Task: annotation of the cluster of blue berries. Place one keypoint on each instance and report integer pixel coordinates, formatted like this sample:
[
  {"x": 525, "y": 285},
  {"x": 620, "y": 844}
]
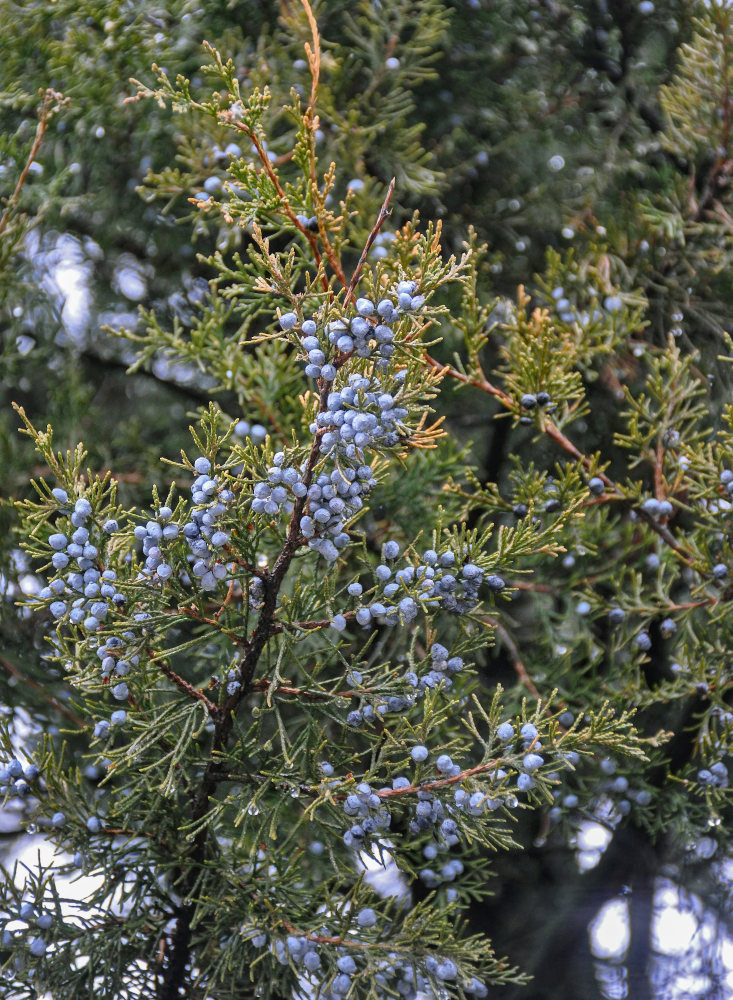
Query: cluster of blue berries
[
  {"x": 398, "y": 976},
  {"x": 532, "y": 400},
  {"x": 613, "y": 795},
  {"x": 333, "y": 499},
  {"x": 379, "y": 707},
  {"x": 364, "y": 414},
  {"x": 617, "y": 790},
  {"x": 284, "y": 483},
  {"x": 118, "y": 654},
  {"x": 16, "y": 779},
  {"x": 371, "y": 815},
  {"x": 155, "y": 535},
  {"x": 103, "y": 727},
  {"x": 568, "y": 313},
  {"x": 716, "y": 776},
  {"x": 368, "y": 330},
  {"x": 298, "y": 949},
  {"x": 428, "y": 812},
  {"x": 30, "y": 915},
  {"x": 657, "y": 508},
  {"x": 86, "y": 594},
  {"x": 431, "y": 583},
  {"x": 202, "y": 532},
  {"x": 442, "y": 667}
]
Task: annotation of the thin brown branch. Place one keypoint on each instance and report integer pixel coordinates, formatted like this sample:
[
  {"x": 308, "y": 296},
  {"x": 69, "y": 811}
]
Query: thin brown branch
[
  {"x": 312, "y": 625},
  {"x": 428, "y": 786},
  {"x": 50, "y": 98},
  {"x": 325, "y": 939},
  {"x": 191, "y": 612},
  {"x": 535, "y": 588},
  {"x": 226, "y": 602},
  {"x": 263, "y": 684},
  {"x": 314, "y": 55},
  {"x": 271, "y": 173},
  {"x": 189, "y": 689},
  {"x": 383, "y": 214},
  {"x": 330, "y": 254}
]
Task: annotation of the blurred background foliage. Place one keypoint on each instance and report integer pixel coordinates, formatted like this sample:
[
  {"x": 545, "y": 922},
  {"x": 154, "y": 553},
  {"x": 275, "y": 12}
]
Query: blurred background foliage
[{"x": 586, "y": 143}]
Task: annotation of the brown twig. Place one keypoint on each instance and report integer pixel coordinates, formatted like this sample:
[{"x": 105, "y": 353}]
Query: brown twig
[
  {"x": 226, "y": 602},
  {"x": 312, "y": 625},
  {"x": 314, "y": 55},
  {"x": 535, "y": 588},
  {"x": 383, "y": 213},
  {"x": 428, "y": 786},
  {"x": 328, "y": 249},
  {"x": 190, "y": 612},
  {"x": 189, "y": 689},
  {"x": 263, "y": 684},
  {"x": 50, "y": 97}
]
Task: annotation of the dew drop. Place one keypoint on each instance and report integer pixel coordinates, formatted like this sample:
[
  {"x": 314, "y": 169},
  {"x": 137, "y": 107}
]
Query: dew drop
[{"x": 24, "y": 344}]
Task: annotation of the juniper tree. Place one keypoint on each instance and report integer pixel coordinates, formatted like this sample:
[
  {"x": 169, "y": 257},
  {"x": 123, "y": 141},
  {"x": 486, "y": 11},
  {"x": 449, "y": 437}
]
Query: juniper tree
[{"x": 288, "y": 655}]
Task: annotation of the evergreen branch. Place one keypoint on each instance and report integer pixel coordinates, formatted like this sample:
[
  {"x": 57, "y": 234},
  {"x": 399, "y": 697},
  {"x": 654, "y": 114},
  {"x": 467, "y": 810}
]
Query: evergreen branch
[
  {"x": 283, "y": 198},
  {"x": 554, "y": 432},
  {"x": 288, "y": 210},
  {"x": 723, "y": 165}
]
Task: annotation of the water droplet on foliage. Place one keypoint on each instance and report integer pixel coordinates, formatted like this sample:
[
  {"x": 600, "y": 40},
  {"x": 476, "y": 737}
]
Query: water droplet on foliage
[{"x": 24, "y": 344}]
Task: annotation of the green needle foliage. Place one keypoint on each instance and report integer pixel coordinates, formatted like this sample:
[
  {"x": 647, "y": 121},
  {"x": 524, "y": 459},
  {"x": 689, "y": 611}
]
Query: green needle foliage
[{"x": 330, "y": 635}]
